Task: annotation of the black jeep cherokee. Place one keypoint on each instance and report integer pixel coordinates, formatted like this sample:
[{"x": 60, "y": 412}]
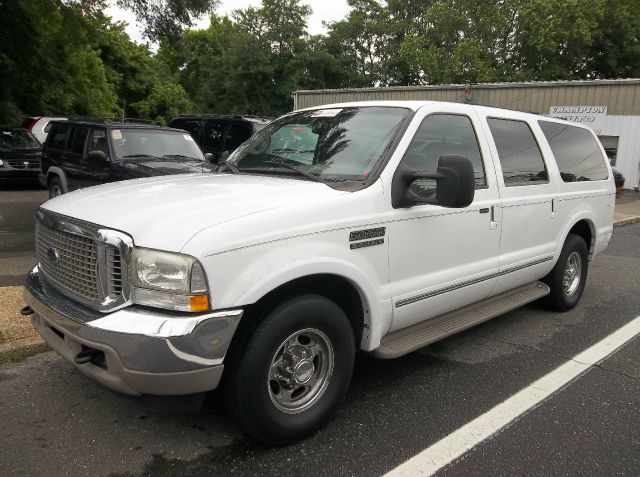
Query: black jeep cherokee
[{"x": 84, "y": 152}]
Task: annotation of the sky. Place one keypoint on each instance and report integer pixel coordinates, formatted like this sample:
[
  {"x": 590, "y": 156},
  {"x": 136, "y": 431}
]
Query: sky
[{"x": 323, "y": 11}]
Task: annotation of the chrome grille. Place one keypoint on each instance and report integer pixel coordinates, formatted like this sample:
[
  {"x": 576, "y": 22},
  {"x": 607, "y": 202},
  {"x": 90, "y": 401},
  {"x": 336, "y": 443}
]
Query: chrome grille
[
  {"x": 24, "y": 163},
  {"x": 114, "y": 268},
  {"x": 70, "y": 261},
  {"x": 84, "y": 261}
]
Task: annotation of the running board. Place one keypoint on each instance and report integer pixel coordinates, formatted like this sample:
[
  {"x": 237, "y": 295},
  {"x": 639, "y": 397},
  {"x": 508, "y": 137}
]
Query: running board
[{"x": 406, "y": 340}]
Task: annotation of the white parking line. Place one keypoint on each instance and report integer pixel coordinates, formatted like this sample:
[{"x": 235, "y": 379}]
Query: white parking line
[{"x": 471, "y": 434}]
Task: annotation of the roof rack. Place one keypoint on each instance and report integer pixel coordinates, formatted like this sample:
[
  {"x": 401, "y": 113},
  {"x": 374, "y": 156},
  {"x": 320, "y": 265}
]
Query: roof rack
[
  {"x": 226, "y": 116},
  {"x": 99, "y": 120}
]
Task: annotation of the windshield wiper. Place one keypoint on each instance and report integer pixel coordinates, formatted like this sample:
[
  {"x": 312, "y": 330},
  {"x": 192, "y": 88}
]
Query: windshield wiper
[
  {"x": 306, "y": 174},
  {"x": 181, "y": 156},
  {"x": 228, "y": 165},
  {"x": 138, "y": 155}
]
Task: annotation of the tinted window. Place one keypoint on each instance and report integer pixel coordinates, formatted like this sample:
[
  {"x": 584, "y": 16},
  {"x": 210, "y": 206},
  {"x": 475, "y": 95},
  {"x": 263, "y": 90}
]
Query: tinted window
[
  {"x": 237, "y": 134},
  {"x": 576, "y": 151},
  {"x": 58, "y": 136},
  {"x": 192, "y": 126},
  {"x": 78, "y": 140},
  {"x": 98, "y": 141},
  {"x": 214, "y": 135},
  {"x": 519, "y": 154},
  {"x": 439, "y": 135}
]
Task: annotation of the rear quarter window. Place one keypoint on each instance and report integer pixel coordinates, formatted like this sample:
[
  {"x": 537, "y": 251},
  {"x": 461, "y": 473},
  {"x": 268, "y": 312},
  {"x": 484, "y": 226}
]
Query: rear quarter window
[
  {"x": 577, "y": 153},
  {"x": 57, "y": 137}
]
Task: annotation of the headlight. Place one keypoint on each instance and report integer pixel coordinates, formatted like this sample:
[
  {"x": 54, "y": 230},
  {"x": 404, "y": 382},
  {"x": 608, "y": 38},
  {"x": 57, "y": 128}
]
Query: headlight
[{"x": 168, "y": 280}]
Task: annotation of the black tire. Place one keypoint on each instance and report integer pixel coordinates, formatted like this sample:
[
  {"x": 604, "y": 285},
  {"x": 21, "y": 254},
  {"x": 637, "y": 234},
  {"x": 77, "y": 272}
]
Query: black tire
[
  {"x": 253, "y": 392},
  {"x": 55, "y": 187},
  {"x": 562, "y": 296}
]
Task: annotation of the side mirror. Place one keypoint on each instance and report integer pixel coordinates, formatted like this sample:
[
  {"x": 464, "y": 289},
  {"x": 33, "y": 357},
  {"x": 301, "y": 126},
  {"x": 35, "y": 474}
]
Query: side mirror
[
  {"x": 98, "y": 156},
  {"x": 455, "y": 181},
  {"x": 211, "y": 158}
]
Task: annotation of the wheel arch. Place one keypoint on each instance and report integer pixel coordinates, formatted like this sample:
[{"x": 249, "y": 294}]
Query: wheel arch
[{"x": 54, "y": 171}]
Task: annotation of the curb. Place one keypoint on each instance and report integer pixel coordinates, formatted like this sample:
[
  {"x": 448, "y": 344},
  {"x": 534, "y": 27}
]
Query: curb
[
  {"x": 19, "y": 353},
  {"x": 632, "y": 219}
]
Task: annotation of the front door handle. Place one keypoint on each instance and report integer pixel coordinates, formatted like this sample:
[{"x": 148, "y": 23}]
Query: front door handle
[{"x": 493, "y": 225}]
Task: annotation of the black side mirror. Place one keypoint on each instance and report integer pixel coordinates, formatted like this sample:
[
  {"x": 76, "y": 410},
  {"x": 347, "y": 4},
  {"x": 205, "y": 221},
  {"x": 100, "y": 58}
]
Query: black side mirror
[
  {"x": 98, "y": 156},
  {"x": 210, "y": 158},
  {"x": 455, "y": 181}
]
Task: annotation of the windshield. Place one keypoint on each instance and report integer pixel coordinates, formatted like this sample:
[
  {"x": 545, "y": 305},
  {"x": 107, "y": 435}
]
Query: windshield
[
  {"x": 338, "y": 144},
  {"x": 139, "y": 143},
  {"x": 17, "y": 138}
]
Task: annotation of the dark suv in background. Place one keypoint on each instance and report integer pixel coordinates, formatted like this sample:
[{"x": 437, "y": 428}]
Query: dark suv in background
[
  {"x": 85, "y": 152},
  {"x": 19, "y": 154},
  {"x": 217, "y": 134}
]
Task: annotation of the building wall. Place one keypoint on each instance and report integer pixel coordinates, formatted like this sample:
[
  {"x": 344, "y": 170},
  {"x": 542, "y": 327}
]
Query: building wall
[
  {"x": 622, "y": 97},
  {"x": 628, "y": 159}
]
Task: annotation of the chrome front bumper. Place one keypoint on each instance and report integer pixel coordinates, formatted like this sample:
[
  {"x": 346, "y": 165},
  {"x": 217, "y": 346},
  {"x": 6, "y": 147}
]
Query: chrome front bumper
[{"x": 145, "y": 351}]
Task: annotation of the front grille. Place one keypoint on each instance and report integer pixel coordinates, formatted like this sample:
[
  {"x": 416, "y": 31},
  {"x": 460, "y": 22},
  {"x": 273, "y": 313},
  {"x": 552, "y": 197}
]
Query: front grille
[
  {"x": 114, "y": 266},
  {"x": 84, "y": 261},
  {"x": 70, "y": 261},
  {"x": 24, "y": 164}
]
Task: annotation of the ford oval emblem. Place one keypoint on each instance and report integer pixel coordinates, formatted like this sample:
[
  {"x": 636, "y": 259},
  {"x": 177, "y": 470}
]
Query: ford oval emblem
[{"x": 52, "y": 253}]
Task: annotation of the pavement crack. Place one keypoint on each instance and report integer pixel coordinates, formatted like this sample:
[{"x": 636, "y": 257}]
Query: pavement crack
[
  {"x": 613, "y": 371},
  {"x": 523, "y": 346}
]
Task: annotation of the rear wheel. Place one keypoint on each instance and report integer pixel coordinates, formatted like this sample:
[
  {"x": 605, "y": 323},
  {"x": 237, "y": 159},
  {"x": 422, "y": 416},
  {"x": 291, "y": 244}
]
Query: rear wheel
[
  {"x": 294, "y": 370},
  {"x": 55, "y": 187},
  {"x": 568, "y": 277}
]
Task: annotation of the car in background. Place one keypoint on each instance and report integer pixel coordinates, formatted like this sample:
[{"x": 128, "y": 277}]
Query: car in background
[
  {"x": 219, "y": 135},
  {"x": 39, "y": 125},
  {"x": 20, "y": 154},
  {"x": 84, "y": 152},
  {"x": 619, "y": 179}
]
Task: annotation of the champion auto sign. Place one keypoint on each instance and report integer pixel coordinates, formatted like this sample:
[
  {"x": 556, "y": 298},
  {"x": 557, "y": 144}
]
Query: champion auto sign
[{"x": 592, "y": 116}]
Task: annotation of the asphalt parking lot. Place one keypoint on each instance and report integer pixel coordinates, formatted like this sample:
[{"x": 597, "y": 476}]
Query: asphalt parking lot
[{"x": 57, "y": 422}]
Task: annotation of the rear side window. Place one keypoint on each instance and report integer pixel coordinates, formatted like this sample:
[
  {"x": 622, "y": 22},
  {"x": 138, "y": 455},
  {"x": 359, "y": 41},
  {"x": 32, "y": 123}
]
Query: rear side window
[
  {"x": 192, "y": 126},
  {"x": 58, "y": 136},
  {"x": 213, "y": 141},
  {"x": 237, "y": 134},
  {"x": 576, "y": 151},
  {"x": 518, "y": 151},
  {"x": 79, "y": 138}
]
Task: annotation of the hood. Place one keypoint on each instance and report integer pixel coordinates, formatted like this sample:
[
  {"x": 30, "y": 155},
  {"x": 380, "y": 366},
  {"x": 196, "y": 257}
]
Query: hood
[
  {"x": 165, "y": 212},
  {"x": 156, "y": 166}
]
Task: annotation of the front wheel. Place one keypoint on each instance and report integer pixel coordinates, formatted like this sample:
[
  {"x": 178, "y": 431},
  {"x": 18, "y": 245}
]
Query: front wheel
[
  {"x": 294, "y": 370},
  {"x": 55, "y": 187},
  {"x": 569, "y": 276}
]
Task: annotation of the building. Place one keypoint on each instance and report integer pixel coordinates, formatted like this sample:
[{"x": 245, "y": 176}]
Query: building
[{"x": 610, "y": 107}]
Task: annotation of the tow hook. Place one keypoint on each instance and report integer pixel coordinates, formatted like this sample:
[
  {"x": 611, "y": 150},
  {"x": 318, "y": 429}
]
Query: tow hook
[
  {"x": 87, "y": 356},
  {"x": 26, "y": 311}
]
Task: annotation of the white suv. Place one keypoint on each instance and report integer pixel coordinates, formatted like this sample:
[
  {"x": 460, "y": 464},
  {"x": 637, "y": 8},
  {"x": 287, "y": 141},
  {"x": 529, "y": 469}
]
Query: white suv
[{"x": 379, "y": 226}]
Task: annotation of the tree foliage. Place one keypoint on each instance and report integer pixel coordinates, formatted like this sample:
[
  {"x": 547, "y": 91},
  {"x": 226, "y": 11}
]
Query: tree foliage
[{"x": 67, "y": 57}]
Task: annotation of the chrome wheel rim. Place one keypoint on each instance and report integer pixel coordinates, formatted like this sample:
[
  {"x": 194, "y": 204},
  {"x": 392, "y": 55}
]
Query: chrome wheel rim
[
  {"x": 572, "y": 274},
  {"x": 300, "y": 371}
]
